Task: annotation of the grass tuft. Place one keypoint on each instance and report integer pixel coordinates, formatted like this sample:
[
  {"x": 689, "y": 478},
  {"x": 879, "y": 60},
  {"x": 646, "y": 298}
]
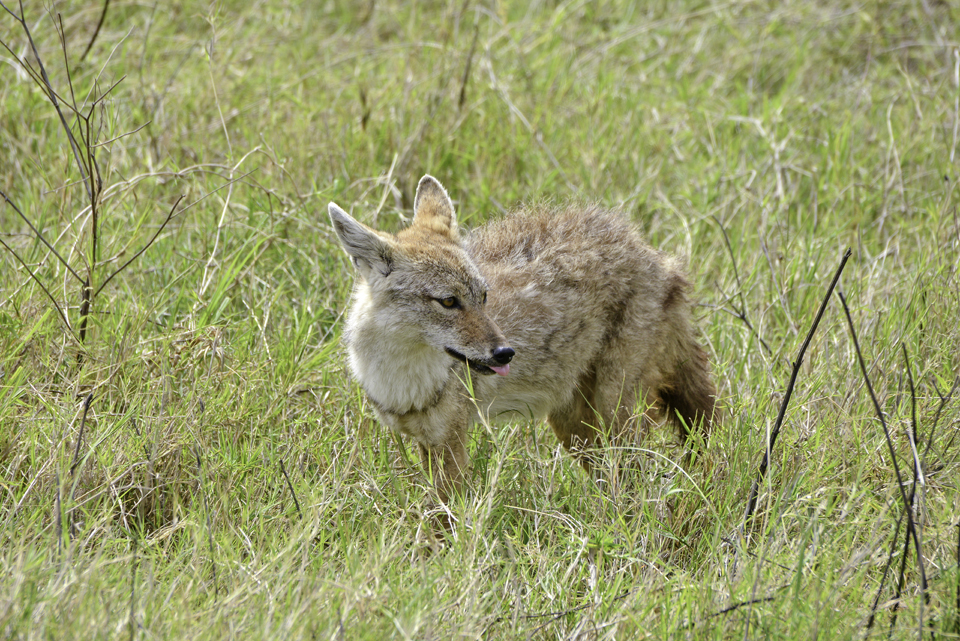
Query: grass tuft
[{"x": 182, "y": 454}]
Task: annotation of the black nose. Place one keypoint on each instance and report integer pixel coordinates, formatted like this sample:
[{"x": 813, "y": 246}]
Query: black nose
[{"x": 502, "y": 355}]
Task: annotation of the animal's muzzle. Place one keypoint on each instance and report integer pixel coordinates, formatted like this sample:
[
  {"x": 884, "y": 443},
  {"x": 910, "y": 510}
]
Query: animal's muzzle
[{"x": 503, "y": 355}]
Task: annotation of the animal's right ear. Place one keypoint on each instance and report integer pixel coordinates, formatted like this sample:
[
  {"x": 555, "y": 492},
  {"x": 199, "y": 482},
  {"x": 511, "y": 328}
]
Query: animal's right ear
[{"x": 372, "y": 254}]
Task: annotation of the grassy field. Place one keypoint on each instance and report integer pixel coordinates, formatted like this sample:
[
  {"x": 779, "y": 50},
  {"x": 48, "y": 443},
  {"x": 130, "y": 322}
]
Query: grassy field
[{"x": 183, "y": 455}]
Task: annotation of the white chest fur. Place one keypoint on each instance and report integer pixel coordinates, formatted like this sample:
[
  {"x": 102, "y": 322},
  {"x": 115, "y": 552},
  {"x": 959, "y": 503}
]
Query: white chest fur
[{"x": 391, "y": 361}]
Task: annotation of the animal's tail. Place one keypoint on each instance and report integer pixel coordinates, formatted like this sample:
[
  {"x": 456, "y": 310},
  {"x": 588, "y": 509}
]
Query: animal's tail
[
  {"x": 690, "y": 397},
  {"x": 687, "y": 393}
]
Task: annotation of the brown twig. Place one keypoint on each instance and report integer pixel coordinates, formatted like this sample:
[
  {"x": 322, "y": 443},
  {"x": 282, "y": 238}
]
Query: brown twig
[
  {"x": 40, "y": 236},
  {"x": 911, "y": 525},
  {"x": 290, "y": 486},
  {"x": 742, "y": 312},
  {"x": 737, "y": 606},
  {"x": 755, "y": 489},
  {"x": 883, "y": 578},
  {"x": 466, "y": 70},
  {"x": 96, "y": 32},
  {"x": 944, "y": 399},
  {"x": 84, "y": 315},
  {"x": 206, "y": 508},
  {"x": 936, "y": 419},
  {"x": 56, "y": 306},
  {"x": 83, "y": 422},
  {"x": 133, "y": 591},
  {"x": 902, "y": 575},
  {"x": 51, "y": 94},
  {"x": 142, "y": 249}
]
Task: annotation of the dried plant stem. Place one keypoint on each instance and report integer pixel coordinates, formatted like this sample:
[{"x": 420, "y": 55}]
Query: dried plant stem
[
  {"x": 290, "y": 486},
  {"x": 96, "y": 32},
  {"x": 761, "y": 473},
  {"x": 911, "y": 525}
]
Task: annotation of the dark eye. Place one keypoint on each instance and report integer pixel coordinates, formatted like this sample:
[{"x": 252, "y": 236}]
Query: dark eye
[
  {"x": 484, "y": 301},
  {"x": 450, "y": 302}
]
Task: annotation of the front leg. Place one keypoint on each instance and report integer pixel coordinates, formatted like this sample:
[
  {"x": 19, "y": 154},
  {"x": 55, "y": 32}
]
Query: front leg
[
  {"x": 441, "y": 431},
  {"x": 446, "y": 465}
]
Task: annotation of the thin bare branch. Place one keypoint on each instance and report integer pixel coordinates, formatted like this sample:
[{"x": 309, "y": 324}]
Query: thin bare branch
[
  {"x": 944, "y": 399},
  {"x": 755, "y": 490},
  {"x": 123, "y": 135},
  {"x": 106, "y": 93},
  {"x": 210, "y": 193},
  {"x": 96, "y": 32},
  {"x": 901, "y": 581},
  {"x": 917, "y": 466},
  {"x": 883, "y": 578},
  {"x": 96, "y": 81},
  {"x": 52, "y": 96},
  {"x": 911, "y": 525},
  {"x": 56, "y": 306},
  {"x": 83, "y": 422},
  {"x": 737, "y": 606},
  {"x": 290, "y": 486},
  {"x": 66, "y": 63},
  {"x": 742, "y": 312},
  {"x": 40, "y": 236},
  {"x": 466, "y": 70},
  {"x": 142, "y": 249}
]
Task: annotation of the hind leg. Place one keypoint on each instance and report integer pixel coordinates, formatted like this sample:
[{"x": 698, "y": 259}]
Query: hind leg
[
  {"x": 601, "y": 408},
  {"x": 625, "y": 375},
  {"x": 575, "y": 423}
]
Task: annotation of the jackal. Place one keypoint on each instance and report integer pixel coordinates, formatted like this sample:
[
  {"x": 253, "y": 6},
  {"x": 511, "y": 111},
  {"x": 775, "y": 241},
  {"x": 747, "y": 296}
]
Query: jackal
[{"x": 559, "y": 312}]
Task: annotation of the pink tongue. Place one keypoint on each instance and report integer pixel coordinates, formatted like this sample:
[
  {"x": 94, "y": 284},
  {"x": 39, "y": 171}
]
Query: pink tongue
[{"x": 502, "y": 370}]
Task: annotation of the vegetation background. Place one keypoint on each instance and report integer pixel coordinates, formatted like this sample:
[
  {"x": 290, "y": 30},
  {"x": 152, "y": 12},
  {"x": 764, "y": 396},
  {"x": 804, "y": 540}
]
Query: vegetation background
[{"x": 200, "y": 465}]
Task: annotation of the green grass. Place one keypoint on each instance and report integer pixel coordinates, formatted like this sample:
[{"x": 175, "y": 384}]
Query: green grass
[{"x": 215, "y": 356}]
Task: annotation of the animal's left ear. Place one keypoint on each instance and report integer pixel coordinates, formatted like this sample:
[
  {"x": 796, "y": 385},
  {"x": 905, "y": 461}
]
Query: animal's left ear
[{"x": 433, "y": 209}]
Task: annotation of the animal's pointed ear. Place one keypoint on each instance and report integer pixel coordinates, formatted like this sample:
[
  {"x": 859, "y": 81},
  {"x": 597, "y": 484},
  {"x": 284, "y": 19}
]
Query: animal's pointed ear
[
  {"x": 372, "y": 253},
  {"x": 433, "y": 209}
]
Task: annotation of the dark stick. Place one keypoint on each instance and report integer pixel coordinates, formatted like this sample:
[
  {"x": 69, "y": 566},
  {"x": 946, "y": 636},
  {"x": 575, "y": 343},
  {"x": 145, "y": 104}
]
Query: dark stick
[
  {"x": 290, "y": 485},
  {"x": 66, "y": 65},
  {"x": 83, "y": 421},
  {"x": 206, "y": 507},
  {"x": 142, "y": 249},
  {"x": 40, "y": 236},
  {"x": 883, "y": 579},
  {"x": 737, "y": 606},
  {"x": 913, "y": 421},
  {"x": 133, "y": 592},
  {"x": 742, "y": 312},
  {"x": 52, "y": 95},
  {"x": 956, "y": 619},
  {"x": 911, "y": 526},
  {"x": 755, "y": 489},
  {"x": 84, "y": 314},
  {"x": 559, "y": 615},
  {"x": 76, "y": 455},
  {"x": 902, "y": 576},
  {"x": 56, "y": 306},
  {"x": 901, "y": 581},
  {"x": 936, "y": 419},
  {"x": 466, "y": 70},
  {"x": 103, "y": 14}
]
